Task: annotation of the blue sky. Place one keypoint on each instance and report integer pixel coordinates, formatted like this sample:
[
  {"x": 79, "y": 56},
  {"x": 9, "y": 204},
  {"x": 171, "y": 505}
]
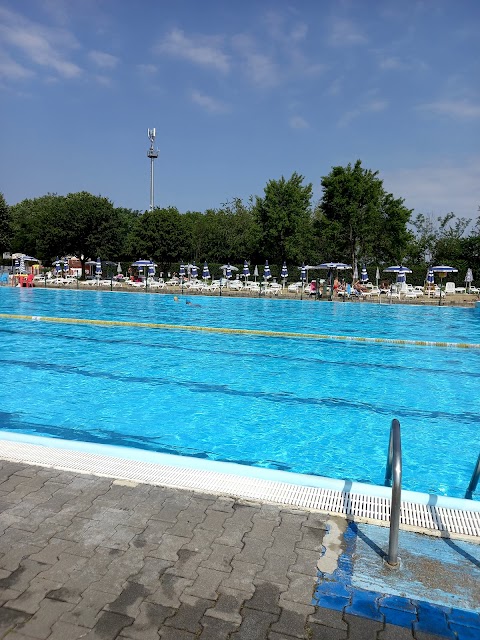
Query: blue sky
[{"x": 239, "y": 93}]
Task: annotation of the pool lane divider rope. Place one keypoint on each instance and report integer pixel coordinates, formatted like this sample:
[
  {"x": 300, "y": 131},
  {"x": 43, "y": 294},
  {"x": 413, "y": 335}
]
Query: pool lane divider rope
[{"x": 249, "y": 332}]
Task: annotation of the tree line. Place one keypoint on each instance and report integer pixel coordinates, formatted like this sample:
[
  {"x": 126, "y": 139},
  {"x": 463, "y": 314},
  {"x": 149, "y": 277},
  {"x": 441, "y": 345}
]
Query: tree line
[{"x": 355, "y": 221}]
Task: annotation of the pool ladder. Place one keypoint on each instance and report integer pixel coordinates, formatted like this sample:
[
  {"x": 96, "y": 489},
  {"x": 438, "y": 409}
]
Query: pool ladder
[
  {"x": 474, "y": 481},
  {"x": 394, "y": 472}
]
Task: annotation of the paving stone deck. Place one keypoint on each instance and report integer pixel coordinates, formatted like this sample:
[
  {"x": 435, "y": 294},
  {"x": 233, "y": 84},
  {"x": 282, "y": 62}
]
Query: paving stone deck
[{"x": 96, "y": 558}]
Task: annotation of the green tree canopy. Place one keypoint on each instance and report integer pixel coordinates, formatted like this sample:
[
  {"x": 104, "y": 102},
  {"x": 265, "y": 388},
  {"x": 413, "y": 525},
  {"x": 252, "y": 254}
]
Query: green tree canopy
[
  {"x": 284, "y": 217},
  {"x": 5, "y": 227},
  {"x": 359, "y": 220}
]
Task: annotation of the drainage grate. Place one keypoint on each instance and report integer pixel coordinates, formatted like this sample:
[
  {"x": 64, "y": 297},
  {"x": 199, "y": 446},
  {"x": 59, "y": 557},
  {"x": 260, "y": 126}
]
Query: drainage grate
[{"x": 430, "y": 519}]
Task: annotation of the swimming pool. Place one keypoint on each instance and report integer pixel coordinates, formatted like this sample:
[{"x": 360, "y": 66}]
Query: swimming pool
[{"x": 316, "y": 407}]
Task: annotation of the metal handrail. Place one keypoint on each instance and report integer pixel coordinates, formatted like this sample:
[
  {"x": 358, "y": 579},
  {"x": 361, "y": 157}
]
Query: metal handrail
[
  {"x": 474, "y": 480},
  {"x": 394, "y": 470}
]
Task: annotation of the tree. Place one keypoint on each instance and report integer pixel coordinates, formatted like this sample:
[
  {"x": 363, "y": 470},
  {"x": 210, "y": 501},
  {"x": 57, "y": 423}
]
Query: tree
[
  {"x": 359, "y": 219},
  {"x": 160, "y": 235},
  {"x": 283, "y": 216},
  {"x": 5, "y": 227}
]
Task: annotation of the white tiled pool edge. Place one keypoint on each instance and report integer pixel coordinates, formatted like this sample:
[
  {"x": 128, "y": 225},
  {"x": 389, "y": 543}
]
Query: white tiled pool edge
[{"x": 437, "y": 516}]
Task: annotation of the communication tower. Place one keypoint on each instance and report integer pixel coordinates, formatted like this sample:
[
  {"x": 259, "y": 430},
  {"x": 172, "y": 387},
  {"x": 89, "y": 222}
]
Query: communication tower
[{"x": 152, "y": 154}]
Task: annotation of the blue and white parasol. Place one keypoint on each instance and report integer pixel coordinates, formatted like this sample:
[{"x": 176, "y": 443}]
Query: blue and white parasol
[
  {"x": 303, "y": 272},
  {"x": 205, "y": 272},
  {"x": 181, "y": 271},
  {"x": 228, "y": 271},
  {"x": 66, "y": 266},
  {"x": 430, "y": 276},
  {"x": 194, "y": 271},
  {"x": 364, "y": 274},
  {"x": 98, "y": 267},
  {"x": 284, "y": 272},
  {"x": 22, "y": 265},
  {"x": 151, "y": 269},
  {"x": 442, "y": 270},
  {"x": 469, "y": 278},
  {"x": 246, "y": 270},
  {"x": 266, "y": 271}
]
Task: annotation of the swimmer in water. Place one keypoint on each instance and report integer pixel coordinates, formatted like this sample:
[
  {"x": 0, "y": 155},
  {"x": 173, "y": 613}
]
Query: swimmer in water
[
  {"x": 175, "y": 298},
  {"x": 190, "y": 304}
]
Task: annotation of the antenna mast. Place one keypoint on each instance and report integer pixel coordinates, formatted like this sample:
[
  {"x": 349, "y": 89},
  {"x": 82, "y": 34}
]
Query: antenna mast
[{"x": 152, "y": 154}]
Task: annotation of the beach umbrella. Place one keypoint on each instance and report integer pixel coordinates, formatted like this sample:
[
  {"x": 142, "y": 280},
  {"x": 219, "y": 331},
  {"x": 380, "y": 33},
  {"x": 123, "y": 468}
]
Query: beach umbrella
[
  {"x": 66, "y": 266},
  {"x": 430, "y": 276},
  {"x": 21, "y": 266},
  {"x": 17, "y": 264},
  {"x": 442, "y": 271},
  {"x": 228, "y": 271},
  {"x": 30, "y": 259},
  {"x": 401, "y": 277},
  {"x": 205, "y": 272},
  {"x": 246, "y": 270},
  {"x": 469, "y": 278},
  {"x": 98, "y": 267},
  {"x": 194, "y": 270},
  {"x": 303, "y": 272},
  {"x": 58, "y": 266},
  {"x": 255, "y": 273},
  {"x": 266, "y": 271},
  {"x": 398, "y": 268},
  {"x": 151, "y": 269},
  {"x": 284, "y": 272},
  {"x": 377, "y": 275},
  {"x": 181, "y": 271},
  {"x": 119, "y": 268},
  {"x": 364, "y": 274}
]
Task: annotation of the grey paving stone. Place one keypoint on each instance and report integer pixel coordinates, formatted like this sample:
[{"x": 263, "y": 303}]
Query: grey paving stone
[
  {"x": 129, "y": 601},
  {"x": 255, "y": 625},
  {"x": 228, "y": 605},
  {"x": 189, "y": 614},
  {"x": 19, "y": 579},
  {"x": 151, "y": 536},
  {"x": 170, "y": 633},
  {"x": 262, "y": 528},
  {"x": 392, "y": 632},
  {"x": 293, "y": 620},
  {"x": 223, "y": 504},
  {"x": 148, "y": 622},
  {"x": 151, "y": 572},
  {"x": 206, "y": 584},
  {"x": 188, "y": 563},
  {"x": 121, "y": 537},
  {"x": 306, "y": 562},
  {"x": 328, "y": 618},
  {"x": 108, "y": 626},
  {"x": 312, "y": 538},
  {"x": 119, "y": 571},
  {"x": 293, "y": 519},
  {"x": 51, "y": 552},
  {"x": 242, "y": 576},
  {"x": 216, "y": 629},
  {"x": 85, "y": 613},
  {"x": 284, "y": 543},
  {"x": 64, "y": 631},
  {"x": 360, "y": 628},
  {"x": 232, "y": 535},
  {"x": 300, "y": 588},
  {"x": 168, "y": 547},
  {"x": 10, "y": 619},
  {"x": 202, "y": 539},
  {"x": 220, "y": 557},
  {"x": 215, "y": 520},
  {"x": 254, "y": 550},
  {"x": 277, "y": 566},
  {"x": 18, "y": 553},
  {"x": 265, "y": 597},
  {"x": 171, "y": 508},
  {"x": 319, "y": 632},
  {"x": 40, "y": 624},
  {"x": 169, "y": 591},
  {"x": 61, "y": 570},
  {"x": 29, "y": 601}
]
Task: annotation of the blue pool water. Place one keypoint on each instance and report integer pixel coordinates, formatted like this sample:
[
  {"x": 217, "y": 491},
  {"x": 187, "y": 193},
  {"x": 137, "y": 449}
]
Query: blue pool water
[{"x": 315, "y": 407}]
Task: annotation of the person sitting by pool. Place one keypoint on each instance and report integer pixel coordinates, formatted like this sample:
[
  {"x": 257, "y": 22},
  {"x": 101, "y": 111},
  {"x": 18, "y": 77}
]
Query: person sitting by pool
[
  {"x": 336, "y": 286},
  {"x": 358, "y": 290}
]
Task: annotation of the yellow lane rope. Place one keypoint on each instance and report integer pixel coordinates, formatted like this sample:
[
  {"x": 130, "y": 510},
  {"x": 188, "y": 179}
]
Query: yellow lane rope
[{"x": 250, "y": 332}]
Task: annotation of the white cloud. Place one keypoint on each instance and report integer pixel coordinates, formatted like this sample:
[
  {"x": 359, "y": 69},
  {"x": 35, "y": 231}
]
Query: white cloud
[
  {"x": 458, "y": 109},
  {"x": 13, "y": 70},
  {"x": 373, "y": 105},
  {"x": 42, "y": 46},
  {"x": 259, "y": 68},
  {"x": 345, "y": 33},
  {"x": 103, "y": 60},
  {"x": 208, "y": 103},
  {"x": 147, "y": 69},
  {"x": 438, "y": 188},
  {"x": 202, "y": 50},
  {"x": 297, "y": 122}
]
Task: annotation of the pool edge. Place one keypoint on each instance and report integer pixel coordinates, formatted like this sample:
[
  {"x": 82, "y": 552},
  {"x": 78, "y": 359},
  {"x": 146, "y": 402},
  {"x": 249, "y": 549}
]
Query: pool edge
[{"x": 435, "y": 515}]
